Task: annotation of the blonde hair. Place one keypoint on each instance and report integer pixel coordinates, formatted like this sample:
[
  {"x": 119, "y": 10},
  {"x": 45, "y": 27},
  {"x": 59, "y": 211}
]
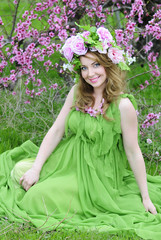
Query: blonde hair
[{"x": 114, "y": 87}]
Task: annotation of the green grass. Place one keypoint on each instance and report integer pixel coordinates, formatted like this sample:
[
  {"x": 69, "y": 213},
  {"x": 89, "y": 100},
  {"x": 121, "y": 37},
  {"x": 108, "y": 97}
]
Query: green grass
[
  {"x": 16, "y": 231},
  {"x": 9, "y": 139}
]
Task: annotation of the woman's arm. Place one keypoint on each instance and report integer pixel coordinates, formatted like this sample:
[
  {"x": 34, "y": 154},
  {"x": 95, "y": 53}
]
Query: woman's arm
[
  {"x": 49, "y": 143},
  {"x": 129, "y": 128}
]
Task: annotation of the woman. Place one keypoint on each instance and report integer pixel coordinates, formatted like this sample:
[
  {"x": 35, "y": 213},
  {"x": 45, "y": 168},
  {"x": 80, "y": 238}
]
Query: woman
[{"x": 85, "y": 180}]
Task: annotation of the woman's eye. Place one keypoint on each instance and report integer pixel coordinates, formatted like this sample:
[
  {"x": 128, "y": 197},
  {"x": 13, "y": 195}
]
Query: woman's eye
[
  {"x": 83, "y": 68},
  {"x": 96, "y": 65}
]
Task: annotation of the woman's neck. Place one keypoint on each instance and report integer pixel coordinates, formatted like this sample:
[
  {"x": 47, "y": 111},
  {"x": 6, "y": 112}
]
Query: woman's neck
[{"x": 98, "y": 93}]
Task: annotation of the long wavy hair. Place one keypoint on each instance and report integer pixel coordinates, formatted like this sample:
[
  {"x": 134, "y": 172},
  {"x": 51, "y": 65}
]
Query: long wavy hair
[{"x": 114, "y": 87}]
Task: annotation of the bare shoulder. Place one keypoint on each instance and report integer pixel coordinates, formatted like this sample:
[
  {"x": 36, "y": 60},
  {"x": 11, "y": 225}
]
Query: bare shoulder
[
  {"x": 127, "y": 110},
  {"x": 71, "y": 92},
  {"x": 72, "y": 89},
  {"x": 126, "y": 105}
]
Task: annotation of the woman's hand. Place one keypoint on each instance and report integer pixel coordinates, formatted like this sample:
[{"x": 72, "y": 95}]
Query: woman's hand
[
  {"x": 149, "y": 206},
  {"x": 30, "y": 178}
]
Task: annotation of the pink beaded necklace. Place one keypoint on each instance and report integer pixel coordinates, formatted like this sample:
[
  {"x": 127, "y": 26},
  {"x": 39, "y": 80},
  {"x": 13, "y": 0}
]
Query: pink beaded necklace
[{"x": 94, "y": 112}]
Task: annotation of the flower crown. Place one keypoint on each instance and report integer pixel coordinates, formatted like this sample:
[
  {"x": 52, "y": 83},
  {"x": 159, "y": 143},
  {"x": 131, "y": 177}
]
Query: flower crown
[{"x": 93, "y": 39}]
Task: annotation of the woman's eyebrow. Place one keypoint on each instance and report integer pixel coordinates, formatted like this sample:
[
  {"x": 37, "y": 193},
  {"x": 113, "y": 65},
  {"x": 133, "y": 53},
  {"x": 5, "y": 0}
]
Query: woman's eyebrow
[
  {"x": 94, "y": 62},
  {"x": 91, "y": 64}
]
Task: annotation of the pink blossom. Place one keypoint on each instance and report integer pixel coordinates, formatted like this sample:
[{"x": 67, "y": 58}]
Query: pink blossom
[
  {"x": 148, "y": 46},
  {"x": 151, "y": 119},
  {"x": 142, "y": 86},
  {"x": 149, "y": 141},
  {"x": 119, "y": 35},
  {"x": 47, "y": 63},
  {"x": 58, "y": 46},
  {"x": 115, "y": 55},
  {"x": 27, "y": 102},
  {"x": 26, "y": 82},
  {"x": 54, "y": 86},
  {"x": 62, "y": 34},
  {"x": 38, "y": 82},
  {"x": 137, "y": 112},
  {"x": 157, "y": 153},
  {"x": 91, "y": 112},
  {"x": 1, "y": 23},
  {"x": 150, "y": 115},
  {"x": 146, "y": 82},
  {"x": 51, "y": 34}
]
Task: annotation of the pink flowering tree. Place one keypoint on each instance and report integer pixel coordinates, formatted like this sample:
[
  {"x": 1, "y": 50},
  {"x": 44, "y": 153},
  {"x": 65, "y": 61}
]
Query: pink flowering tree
[{"x": 30, "y": 64}]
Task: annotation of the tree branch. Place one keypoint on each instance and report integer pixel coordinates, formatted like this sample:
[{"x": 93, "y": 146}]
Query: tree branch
[
  {"x": 140, "y": 74},
  {"x": 14, "y": 19}
]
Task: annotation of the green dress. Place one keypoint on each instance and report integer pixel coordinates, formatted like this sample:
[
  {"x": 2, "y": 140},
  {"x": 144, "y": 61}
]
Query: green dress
[{"x": 85, "y": 184}]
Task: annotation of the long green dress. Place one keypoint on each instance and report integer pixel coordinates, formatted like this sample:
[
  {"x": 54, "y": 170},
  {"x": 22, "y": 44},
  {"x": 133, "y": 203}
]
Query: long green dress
[{"x": 85, "y": 183}]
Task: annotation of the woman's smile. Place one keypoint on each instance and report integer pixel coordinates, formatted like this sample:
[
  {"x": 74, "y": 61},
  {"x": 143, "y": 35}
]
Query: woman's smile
[{"x": 94, "y": 80}]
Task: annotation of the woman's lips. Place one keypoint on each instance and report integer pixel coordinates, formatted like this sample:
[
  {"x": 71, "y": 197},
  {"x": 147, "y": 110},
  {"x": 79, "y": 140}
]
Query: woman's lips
[{"x": 93, "y": 80}]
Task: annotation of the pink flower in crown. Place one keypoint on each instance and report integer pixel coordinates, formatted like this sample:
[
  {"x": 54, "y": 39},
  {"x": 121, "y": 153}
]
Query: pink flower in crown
[
  {"x": 68, "y": 54},
  {"x": 69, "y": 41},
  {"x": 66, "y": 49},
  {"x": 115, "y": 55},
  {"x": 78, "y": 46},
  {"x": 85, "y": 34},
  {"x": 104, "y": 50},
  {"x": 104, "y": 35},
  {"x": 104, "y": 46}
]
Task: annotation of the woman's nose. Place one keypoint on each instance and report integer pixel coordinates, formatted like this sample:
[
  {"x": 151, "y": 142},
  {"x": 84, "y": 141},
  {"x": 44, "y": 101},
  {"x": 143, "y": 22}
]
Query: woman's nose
[{"x": 90, "y": 72}]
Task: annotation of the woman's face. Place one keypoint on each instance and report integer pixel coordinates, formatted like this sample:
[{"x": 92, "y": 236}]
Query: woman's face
[{"x": 92, "y": 72}]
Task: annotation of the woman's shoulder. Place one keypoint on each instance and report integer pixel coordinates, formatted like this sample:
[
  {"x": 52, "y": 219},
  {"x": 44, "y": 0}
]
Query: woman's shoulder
[
  {"x": 72, "y": 90},
  {"x": 127, "y": 103}
]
